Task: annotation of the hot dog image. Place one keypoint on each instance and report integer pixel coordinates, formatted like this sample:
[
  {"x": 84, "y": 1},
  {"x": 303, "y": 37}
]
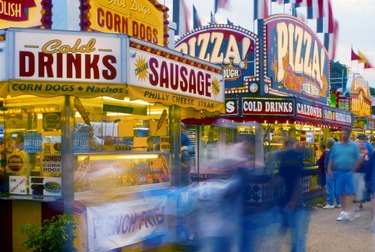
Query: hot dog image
[
  {"x": 82, "y": 111},
  {"x": 82, "y": 169},
  {"x": 161, "y": 120}
]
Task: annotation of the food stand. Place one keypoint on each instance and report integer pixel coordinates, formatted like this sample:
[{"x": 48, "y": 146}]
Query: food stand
[
  {"x": 360, "y": 104},
  {"x": 281, "y": 84},
  {"x": 92, "y": 120}
]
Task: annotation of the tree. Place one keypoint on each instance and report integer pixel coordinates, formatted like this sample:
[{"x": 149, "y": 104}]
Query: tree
[{"x": 338, "y": 76}]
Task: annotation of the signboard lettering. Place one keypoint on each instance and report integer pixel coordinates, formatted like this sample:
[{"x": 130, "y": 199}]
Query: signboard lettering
[
  {"x": 65, "y": 56},
  {"x": 163, "y": 71},
  {"x": 337, "y": 116},
  {"x": 267, "y": 107},
  {"x": 12, "y": 10},
  {"x": 51, "y": 66},
  {"x": 297, "y": 62},
  {"x": 231, "y": 106},
  {"x": 168, "y": 75},
  {"x": 17, "y": 10},
  {"x": 291, "y": 39},
  {"x": 308, "y": 110},
  {"x": 137, "y": 18},
  {"x": 230, "y": 47},
  {"x": 119, "y": 224}
]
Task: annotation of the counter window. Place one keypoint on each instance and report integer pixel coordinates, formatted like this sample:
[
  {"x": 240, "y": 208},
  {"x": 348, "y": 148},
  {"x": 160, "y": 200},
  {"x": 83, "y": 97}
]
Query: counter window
[
  {"x": 119, "y": 143},
  {"x": 114, "y": 144}
]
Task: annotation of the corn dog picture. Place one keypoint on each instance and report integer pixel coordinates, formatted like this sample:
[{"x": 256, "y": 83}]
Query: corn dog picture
[
  {"x": 161, "y": 120},
  {"x": 82, "y": 111}
]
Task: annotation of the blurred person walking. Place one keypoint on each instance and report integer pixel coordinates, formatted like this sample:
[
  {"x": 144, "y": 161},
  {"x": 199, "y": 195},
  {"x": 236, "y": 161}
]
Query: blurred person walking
[
  {"x": 359, "y": 174},
  {"x": 343, "y": 161},
  {"x": 249, "y": 193},
  {"x": 331, "y": 191},
  {"x": 295, "y": 217},
  {"x": 322, "y": 170},
  {"x": 185, "y": 156},
  {"x": 370, "y": 178}
]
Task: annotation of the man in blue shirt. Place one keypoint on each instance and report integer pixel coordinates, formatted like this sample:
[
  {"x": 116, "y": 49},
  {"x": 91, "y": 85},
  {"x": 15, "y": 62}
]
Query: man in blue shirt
[{"x": 344, "y": 160}]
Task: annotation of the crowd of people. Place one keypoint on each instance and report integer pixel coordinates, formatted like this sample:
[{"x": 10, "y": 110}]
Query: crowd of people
[
  {"x": 244, "y": 209},
  {"x": 346, "y": 174}
]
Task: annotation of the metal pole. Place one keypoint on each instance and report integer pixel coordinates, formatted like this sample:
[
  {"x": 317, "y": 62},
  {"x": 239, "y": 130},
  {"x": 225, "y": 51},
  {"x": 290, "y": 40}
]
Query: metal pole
[{"x": 67, "y": 162}]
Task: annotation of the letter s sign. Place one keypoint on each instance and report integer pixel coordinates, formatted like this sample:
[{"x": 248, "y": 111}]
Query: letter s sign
[{"x": 231, "y": 107}]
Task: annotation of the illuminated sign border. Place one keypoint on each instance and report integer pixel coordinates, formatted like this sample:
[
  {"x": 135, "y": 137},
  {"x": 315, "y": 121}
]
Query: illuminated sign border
[
  {"x": 35, "y": 14},
  {"x": 140, "y": 72},
  {"x": 244, "y": 80},
  {"x": 87, "y": 17},
  {"x": 301, "y": 83}
]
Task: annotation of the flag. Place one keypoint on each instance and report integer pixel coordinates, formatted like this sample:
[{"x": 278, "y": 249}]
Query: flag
[
  {"x": 354, "y": 56},
  {"x": 315, "y": 9},
  {"x": 181, "y": 17},
  {"x": 260, "y": 9},
  {"x": 325, "y": 24},
  {"x": 221, "y": 4},
  {"x": 298, "y": 12},
  {"x": 367, "y": 65},
  {"x": 362, "y": 57},
  {"x": 335, "y": 35},
  {"x": 196, "y": 21},
  {"x": 297, "y": 3}
]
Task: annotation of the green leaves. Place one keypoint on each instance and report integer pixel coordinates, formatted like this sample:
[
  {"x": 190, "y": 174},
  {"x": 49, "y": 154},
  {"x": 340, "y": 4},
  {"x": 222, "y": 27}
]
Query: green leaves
[{"x": 51, "y": 235}]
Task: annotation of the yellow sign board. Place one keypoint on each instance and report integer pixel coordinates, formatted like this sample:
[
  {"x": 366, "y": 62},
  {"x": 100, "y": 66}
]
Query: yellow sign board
[
  {"x": 52, "y": 89},
  {"x": 137, "y": 18},
  {"x": 166, "y": 98},
  {"x": 21, "y": 13}
]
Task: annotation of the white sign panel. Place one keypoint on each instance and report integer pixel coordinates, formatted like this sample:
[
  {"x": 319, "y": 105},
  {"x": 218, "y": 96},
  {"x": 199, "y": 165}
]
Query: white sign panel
[
  {"x": 120, "y": 224},
  {"x": 67, "y": 56},
  {"x": 17, "y": 184},
  {"x": 165, "y": 73}
]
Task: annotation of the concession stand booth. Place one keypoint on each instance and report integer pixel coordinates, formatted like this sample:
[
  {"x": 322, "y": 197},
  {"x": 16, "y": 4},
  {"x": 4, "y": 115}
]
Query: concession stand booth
[
  {"x": 90, "y": 125},
  {"x": 278, "y": 78},
  {"x": 360, "y": 105}
]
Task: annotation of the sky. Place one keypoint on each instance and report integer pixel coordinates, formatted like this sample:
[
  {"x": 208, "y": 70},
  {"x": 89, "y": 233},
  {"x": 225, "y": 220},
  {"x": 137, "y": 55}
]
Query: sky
[
  {"x": 357, "y": 30},
  {"x": 356, "y": 20}
]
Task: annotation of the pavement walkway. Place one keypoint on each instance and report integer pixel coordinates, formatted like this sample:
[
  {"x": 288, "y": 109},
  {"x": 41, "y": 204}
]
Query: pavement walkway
[{"x": 326, "y": 234}]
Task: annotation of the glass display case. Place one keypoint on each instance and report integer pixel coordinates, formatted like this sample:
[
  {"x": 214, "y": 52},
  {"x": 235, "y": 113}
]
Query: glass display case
[
  {"x": 114, "y": 144},
  {"x": 105, "y": 171}
]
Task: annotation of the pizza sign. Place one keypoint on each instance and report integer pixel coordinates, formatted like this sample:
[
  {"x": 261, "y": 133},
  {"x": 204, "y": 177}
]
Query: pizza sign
[
  {"x": 296, "y": 60},
  {"x": 234, "y": 48}
]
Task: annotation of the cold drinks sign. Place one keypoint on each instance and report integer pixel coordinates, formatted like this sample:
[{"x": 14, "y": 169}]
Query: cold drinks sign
[{"x": 52, "y": 63}]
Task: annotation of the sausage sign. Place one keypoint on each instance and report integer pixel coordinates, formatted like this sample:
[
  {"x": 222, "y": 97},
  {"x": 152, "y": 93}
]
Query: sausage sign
[{"x": 165, "y": 76}]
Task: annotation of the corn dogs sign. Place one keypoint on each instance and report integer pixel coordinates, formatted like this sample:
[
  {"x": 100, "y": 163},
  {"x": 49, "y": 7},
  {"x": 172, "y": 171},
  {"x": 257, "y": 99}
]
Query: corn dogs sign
[{"x": 146, "y": 20}]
